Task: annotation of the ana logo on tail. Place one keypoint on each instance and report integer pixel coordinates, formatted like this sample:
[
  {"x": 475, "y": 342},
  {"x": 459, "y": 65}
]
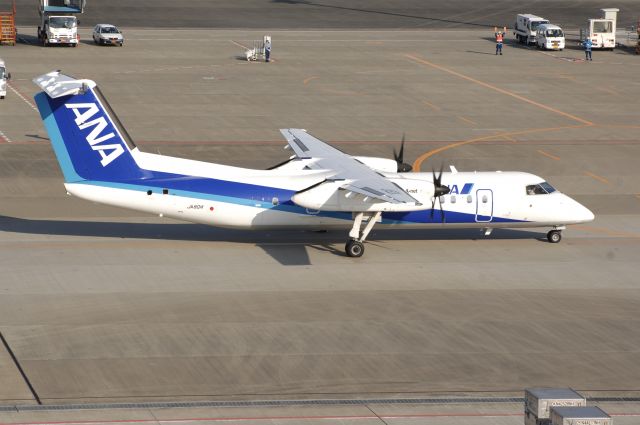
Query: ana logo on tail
[{"x": 86, "y": 111}]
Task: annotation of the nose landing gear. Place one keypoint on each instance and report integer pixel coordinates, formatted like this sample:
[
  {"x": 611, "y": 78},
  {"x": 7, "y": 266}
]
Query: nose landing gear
[
  {"x": 355, "y": 245},
  {"x": 555, "y": 235}
]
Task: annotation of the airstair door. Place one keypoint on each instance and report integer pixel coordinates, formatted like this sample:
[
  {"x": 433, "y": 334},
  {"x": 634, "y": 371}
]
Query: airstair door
[{"x": 484, "y": 205}]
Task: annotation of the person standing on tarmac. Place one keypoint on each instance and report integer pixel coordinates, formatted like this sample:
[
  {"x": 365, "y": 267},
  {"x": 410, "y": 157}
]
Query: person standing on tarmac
[
  {"x": 588, "y": 45},
  {"x": 499, "y": 38},
  {"x": 267, "y": 50}
]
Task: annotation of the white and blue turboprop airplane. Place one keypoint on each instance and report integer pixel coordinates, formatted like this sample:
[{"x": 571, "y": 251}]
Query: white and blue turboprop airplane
[{"x": 319, "y": 187}]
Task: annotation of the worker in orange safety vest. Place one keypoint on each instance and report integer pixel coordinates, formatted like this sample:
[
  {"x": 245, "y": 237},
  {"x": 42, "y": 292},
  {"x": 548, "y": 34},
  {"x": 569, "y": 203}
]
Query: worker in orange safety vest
[{"x": 499, "y": 38}]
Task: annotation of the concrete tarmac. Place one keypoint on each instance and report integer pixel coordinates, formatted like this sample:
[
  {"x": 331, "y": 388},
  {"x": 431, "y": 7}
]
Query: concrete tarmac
[
  {"x": 101, "y": 304},
  {"x": 333, "y": 14}
]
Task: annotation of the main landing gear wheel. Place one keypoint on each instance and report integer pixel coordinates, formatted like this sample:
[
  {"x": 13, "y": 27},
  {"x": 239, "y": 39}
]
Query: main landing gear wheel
[
  {"x": 554, "y": 236},
  {"x": 353, "y": 248},
  {"x": 355, "y": 245}
]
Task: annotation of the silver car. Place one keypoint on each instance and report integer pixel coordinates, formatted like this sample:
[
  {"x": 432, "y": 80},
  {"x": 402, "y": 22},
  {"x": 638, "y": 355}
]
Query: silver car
[{"x": 107, "y": 34}]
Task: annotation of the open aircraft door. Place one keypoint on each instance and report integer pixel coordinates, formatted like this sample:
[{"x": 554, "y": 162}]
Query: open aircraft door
[{"x": 484, "y": 205}]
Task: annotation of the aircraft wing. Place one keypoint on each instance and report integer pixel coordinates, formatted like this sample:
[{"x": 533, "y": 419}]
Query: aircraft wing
[{"x": 357, "y": 176}]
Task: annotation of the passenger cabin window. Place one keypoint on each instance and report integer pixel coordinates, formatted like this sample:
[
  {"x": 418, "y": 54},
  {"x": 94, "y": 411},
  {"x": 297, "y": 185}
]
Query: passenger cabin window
[
  {"x": 453, "y": 199},
  {"x": 469, "y": 199},
  {"x": 543, "y": 188}
]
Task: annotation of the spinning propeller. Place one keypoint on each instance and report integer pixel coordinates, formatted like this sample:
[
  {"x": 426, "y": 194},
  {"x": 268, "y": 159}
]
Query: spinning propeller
[
  {"x": 438, "y": 190},
  {"x": 403, "y": 167}
]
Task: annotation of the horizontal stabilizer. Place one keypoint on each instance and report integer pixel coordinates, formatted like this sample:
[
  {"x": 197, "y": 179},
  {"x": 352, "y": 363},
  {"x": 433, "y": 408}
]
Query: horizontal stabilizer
[{"x": 55, "y": 84}]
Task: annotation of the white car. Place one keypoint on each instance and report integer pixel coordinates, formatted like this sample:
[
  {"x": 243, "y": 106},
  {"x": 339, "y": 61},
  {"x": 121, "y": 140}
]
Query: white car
[{"x": 107, "y": 34}]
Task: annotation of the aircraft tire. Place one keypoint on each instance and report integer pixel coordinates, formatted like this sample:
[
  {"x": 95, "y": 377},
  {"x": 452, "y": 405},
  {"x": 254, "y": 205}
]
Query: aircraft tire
[
  {"x": 354, "y": 248},
  {"x": 554, "y": 236}
]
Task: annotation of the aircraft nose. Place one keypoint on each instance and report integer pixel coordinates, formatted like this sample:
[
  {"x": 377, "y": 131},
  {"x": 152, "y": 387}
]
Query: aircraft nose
[
  {"x": 587, "y": 215},
  {"x": 582, "y": 213}
]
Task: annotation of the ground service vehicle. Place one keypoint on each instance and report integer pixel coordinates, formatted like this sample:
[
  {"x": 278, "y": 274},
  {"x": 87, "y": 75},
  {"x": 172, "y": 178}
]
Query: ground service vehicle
[
  {"x": 602, "y": 31},
  {"x": 550, "y": 37},
  {"x": 4, "y": 77},
  {"x": 60, "y": 29},
  {"x": 107, "y": 34},
  {"x": 58, "y": 22},
  {"x": 526, "y": 27}
]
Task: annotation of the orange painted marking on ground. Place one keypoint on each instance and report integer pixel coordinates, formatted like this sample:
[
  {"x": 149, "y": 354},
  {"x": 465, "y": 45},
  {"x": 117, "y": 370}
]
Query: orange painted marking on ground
[
  {"x": 638, "y": 195},
  {"x": 432, "y": 106},
  {"x": 597, "y": 177},
  {"x": 548, "y": 155},
  {"x": 306, "y": 80},
  {"x": 498, "y": 89},
  {"x": 467, "y": 120},
  {"x": 418, "y": 162}
]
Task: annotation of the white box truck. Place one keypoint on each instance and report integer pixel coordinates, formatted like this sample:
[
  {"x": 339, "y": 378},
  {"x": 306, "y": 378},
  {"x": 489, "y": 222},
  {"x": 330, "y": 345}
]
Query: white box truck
[
  {"x": 4, "y": 77},
  {"x": 58, "y": 29},
  {"x": 58, "y": 21},
  {"x": 526, "y": 27},
  {"x": 550, "y": 37},
  {"x": 602, "y": 31}
]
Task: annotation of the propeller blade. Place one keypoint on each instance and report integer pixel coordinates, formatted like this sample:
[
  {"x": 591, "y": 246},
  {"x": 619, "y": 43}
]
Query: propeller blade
[
  {"x": 438, "y": 191},
  {"x": 441, "y": 210},
  {"x": 399, "y": 157}
]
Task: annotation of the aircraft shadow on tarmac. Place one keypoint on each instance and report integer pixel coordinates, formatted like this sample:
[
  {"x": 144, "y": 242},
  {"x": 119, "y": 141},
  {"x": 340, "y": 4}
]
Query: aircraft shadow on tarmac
[{"x": 288, "y": 247}]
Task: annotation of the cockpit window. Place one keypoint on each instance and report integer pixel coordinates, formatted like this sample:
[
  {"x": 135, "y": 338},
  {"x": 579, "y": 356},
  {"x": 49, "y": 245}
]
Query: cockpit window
[
  {"x": 543, "y": 188},
  {"x": 546, "y": 186}
]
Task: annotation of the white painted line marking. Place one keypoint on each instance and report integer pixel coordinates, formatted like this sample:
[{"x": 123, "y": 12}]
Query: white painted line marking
[
  {"x": 31, "y": 105},
  {"x": 4, "y": 137}
]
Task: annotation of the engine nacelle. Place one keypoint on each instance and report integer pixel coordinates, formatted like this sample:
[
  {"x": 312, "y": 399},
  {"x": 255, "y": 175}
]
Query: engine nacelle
[{"x": 384, "y": 165}]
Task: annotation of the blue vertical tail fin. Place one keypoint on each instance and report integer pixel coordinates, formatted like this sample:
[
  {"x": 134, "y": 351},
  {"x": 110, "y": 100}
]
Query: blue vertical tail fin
[{"x": 87, "y": 137}]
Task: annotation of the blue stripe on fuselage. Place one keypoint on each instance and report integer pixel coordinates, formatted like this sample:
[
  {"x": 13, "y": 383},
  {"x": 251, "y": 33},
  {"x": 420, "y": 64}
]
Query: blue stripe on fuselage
[
  {"x": 466, "y": 189},
  {"x": 251, "y": 196}
]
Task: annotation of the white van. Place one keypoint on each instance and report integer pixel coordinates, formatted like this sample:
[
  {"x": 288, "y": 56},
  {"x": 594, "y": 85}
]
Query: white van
[
  {"x": 526, "y": 27},
  {"x": 4, "y": 76},
  {"x": 550, "y": 37}
]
